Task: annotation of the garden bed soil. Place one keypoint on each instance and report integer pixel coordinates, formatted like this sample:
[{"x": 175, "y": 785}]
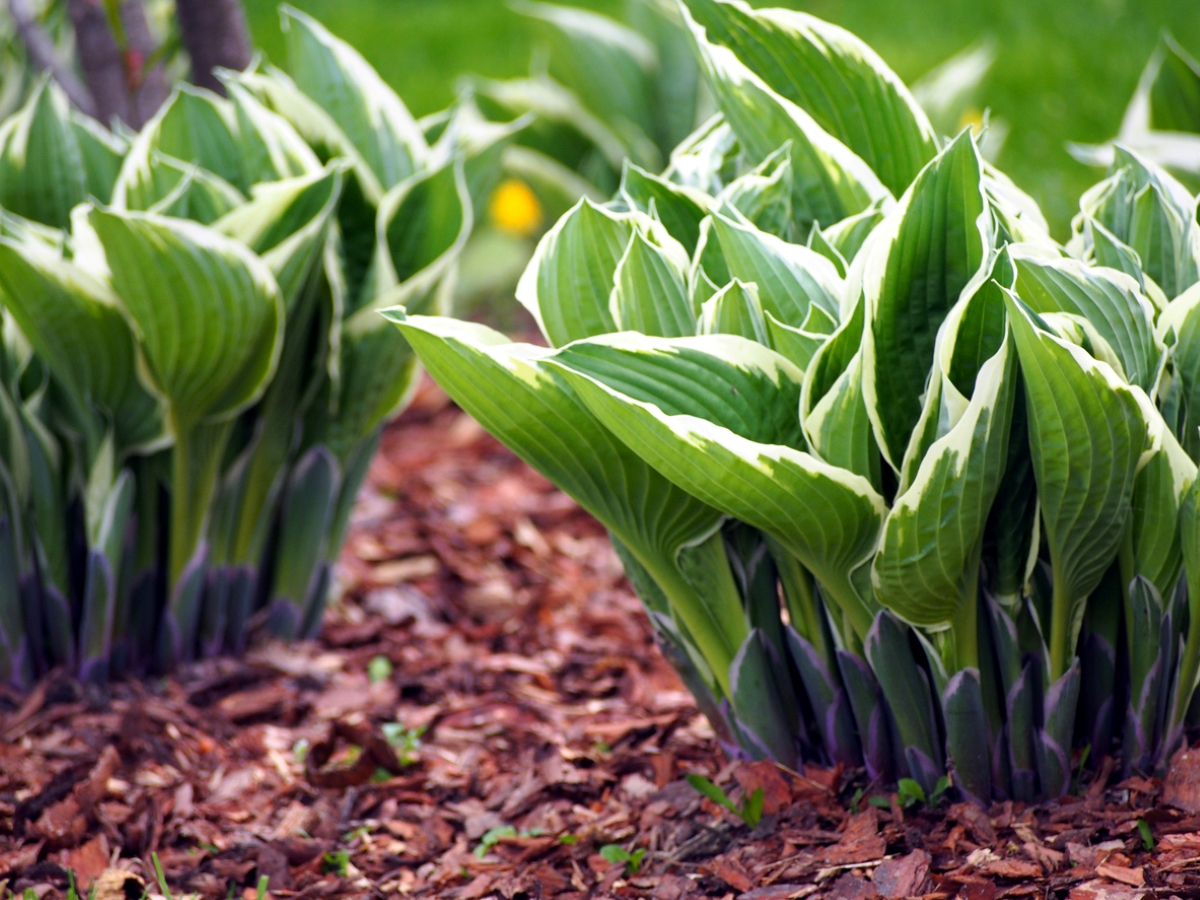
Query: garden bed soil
[{"x": 486, "y": 612}]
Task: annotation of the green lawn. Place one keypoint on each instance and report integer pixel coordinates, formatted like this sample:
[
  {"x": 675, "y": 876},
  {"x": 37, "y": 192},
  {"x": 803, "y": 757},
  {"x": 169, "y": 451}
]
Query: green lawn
[{"x": 1065, "y": 68}]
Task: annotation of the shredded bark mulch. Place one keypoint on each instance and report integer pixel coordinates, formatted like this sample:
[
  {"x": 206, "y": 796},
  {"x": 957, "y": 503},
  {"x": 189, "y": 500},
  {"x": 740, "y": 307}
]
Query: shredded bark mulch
[{"x": 487, "y": 715}]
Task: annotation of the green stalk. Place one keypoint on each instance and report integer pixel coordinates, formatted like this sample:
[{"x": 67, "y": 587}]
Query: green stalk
[
  {"x": 1060, "y": 625},
  {"x": 708, "y": 602},
  {"x": 195, "y": 464},
  {"x": 965, "y": 625}
]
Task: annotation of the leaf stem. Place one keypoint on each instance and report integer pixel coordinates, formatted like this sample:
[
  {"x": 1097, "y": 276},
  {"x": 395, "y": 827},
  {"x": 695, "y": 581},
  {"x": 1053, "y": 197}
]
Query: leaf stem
[
  {"x": 195, "y": 463},
  {"x": 1060, "y": 626}
]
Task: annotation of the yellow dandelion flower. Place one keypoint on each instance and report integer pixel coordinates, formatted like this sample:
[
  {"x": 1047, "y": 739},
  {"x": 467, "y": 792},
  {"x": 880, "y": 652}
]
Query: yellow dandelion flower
[
  {"x": 515, "y": 209},
  {"x": 972, "y": 117}
]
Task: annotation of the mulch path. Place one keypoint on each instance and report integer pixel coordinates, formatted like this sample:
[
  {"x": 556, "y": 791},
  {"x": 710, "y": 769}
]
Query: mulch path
[{"x": 483, "y": 716}]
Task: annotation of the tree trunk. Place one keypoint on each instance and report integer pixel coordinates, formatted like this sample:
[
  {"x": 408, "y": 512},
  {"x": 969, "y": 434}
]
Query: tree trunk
[
  {"x": 43, "y": 55},
  {"x": 119, "y": 85},
  {"x": 215, "y": 34}
]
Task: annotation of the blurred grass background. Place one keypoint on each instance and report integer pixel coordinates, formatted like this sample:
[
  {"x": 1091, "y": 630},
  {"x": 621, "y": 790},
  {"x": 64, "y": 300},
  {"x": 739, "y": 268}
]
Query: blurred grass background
[{"x": 1065, "y": 69}]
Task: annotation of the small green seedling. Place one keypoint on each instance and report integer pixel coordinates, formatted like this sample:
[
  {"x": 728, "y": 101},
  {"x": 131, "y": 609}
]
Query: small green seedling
[
  {"x": 1146, "y": 834},
  {"x": 405, "y": 741},
  {"x": 379, "y": 669},
  {"x": 300, "y": 750},
  {"x": 493, "y": 836},
  {"x": 751, "y": 809},
  {"x": 336, "y": 863},
  {"x": 909, "y": 793},
  {"x": 162, "y": 879},
  {"x": 568, "y": 840},
  {"x": 615, "y": 853}
]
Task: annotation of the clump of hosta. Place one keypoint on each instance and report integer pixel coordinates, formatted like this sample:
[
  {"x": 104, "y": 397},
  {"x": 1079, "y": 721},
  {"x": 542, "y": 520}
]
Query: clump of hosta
[
  {"x": 194, "y": 376},
  {"x": 902, "y": 482}
]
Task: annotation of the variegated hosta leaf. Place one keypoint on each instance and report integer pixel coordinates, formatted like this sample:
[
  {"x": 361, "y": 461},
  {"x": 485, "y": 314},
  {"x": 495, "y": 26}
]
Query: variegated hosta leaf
[
  {"x": 681, "y": 209},
  {"x": 1189, "y": 664},
  {"x": 424, "y": 223},
  {"x": 1018, "y": 216},
  {"x": 75, "y": 324},
  {"x": 286, "y": 223},
  {"x": 832, "y": 406},
  {"x": 716, "y": 415},
  {"x": 1159, "y": 493},
  {"x": 1148, "y": 209},
  {"x": 337, "y": 78},
  {"x": 184, "y": 191},
  {"x": 928, "y": 555},
  {"x": 1107, "y": 299},
  {"x": 42, "y": 174},
  {"x": 527, "y": 403},
  {"x": 102, "y": 153},
  {"x": 848, "y": 236},
  {"x": 194, "y": 127},
  {"x": 1179, "y": 328},
  {"x": 829, "y": 181},
  {"x": 734, "y": 310},
  {"x": 831, "y": 74},
  {"x": 568, "y": 283},
  {"x": 650, "y": 291},
  {"x": 607, "y": 63},
  {"x": 791, "y": 279},
  {"x": 1175, "y": 92},
  {"x": 1108, "y": 251},
  {"x": 932, "y": 250},
  {"x": 1087, "y": 435},
  {"x": 764, "y": 194},
  {"x": 211, "y": 351},
  {"x": 271, "y": 147},
  {"x": 708, "y": 158}
]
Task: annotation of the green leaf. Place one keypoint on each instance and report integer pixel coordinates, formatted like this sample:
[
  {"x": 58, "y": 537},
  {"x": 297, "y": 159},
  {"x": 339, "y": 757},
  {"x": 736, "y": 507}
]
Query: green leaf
[
  {"x": 211, "y": 351},
  {"x": 1175, "y": 91},
  {"x": 102, "y": 153},
  {"x": 568, "y": 283},
  {"x": 929, "y": 252},
  {"x": 1110, "y": 301},
  {"x": 712, "y": 792},
  {"x": 716, "y": 415},
  {"x": 791, "y": 278},
  {"x": 833, "y": 407},
  {"x": 75, "y": 323},
  {"x": 836, "y": 78},
  {"x": 42, "y": 173},
  {"x": 271, "y": 147},
  {"x": 650, "y": 292},
  {"x": 1087, "y": 435},
  {"x": 424, "y": 222},
  {"x": 195, "y": 127},
  {"x": 764, "y": 194},
  {"x": 734, "y": 310},
  {"x": 513, "y": 392},
  {"x": 185, "y": 192},
  {"x": 926, "y": 567},
  {"x": 680, "y": 209},
  {"x": 337, "y": 78},
  {"x": 830, "y": 182},
  {"x": 608, "y": 64}
]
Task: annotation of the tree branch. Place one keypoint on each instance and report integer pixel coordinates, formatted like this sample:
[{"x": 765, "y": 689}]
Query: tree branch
[
  {"x": 215, "y": 34},
  {"x": 41, "y": 54}
]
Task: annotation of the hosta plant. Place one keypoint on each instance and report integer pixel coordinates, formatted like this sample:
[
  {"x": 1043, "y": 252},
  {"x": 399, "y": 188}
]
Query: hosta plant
[
  {"x": 902, "y": 482},
  {"x": 193, "y": 375}
]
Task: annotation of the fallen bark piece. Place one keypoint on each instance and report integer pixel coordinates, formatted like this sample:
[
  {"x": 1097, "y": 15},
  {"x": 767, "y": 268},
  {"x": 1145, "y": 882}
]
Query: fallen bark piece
[
  {"x": 1181, "y": 788},
  {"x": 907, "y": 876},
  {"x": 1124, "y": 874}
]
